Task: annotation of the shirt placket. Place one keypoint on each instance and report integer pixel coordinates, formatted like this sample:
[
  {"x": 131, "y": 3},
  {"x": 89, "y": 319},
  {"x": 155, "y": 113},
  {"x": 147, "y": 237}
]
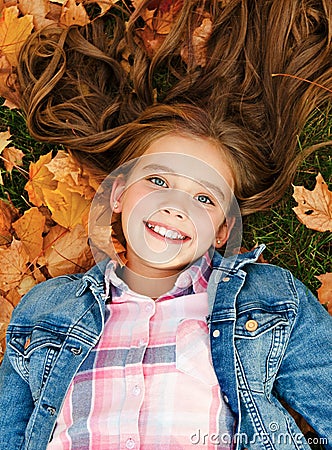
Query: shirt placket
[{"x": 134, "y": 376}]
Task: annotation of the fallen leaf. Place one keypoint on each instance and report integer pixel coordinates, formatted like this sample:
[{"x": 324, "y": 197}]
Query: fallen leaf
[
  {"x": 12, "y": 157},
  {"x": 4, "y": 140},
  {"x": 200, "y": 37},
  {"x": 67, "y": 251},
  {"x": 325, "y": 291},
  {"x": 29, "y": 229},
  {"x": 68, "y": 208},
  {"x": 66, "y": 170},
  {"x": 73, "y": 14},
  {"x": 13, "y": 297},
  {"x": 38, "y": 9},
  {"x": 8, "y": 84},
  {"x": 105, "y": 5},
  {"x": 14, "y": 31},
  {"x": 314, "y": 208},
  {"x": 27, "y": 283},
  {"x": 40, "y": 178},
  {"x": 7, "y": 214},
  {"x": 6, "y": 309},
  {"x": 14, "y": 260}
]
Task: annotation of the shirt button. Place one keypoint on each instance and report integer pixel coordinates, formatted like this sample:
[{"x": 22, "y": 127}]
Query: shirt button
[
  {"x": 148, "y": 307},
  {"x": 216, "y": 333},
  {"x": 130, "y": 443},
  {"x": 225, "y": 398},
  {"x": 251, "y": 325},
  {"x": 136, "y": 390}
]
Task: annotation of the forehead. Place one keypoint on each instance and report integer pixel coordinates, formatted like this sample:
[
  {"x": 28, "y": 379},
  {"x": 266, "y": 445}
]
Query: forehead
[{"x": 192, "y": 157}]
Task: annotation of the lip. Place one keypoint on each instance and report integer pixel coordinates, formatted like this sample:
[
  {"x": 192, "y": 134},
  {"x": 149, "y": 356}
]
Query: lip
[{"x": 168, "y": 228}]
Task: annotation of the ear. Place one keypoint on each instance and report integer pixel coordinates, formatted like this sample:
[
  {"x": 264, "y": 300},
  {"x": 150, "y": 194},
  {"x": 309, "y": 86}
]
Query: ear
[
  {"x": 224, "y": 231},
  {"x": 118, "y": 188}
]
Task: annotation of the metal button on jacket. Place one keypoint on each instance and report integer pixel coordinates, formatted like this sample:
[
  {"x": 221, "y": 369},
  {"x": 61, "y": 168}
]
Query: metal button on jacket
[{"x": 251, "y": 325}]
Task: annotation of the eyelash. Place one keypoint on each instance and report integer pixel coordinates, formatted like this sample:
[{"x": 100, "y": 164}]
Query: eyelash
[{"x": 164, "y": 185}]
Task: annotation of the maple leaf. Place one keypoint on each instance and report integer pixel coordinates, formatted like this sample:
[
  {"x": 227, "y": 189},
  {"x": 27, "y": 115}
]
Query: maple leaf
[
  {"x": 39, "y": 179},
  {"x": 66, "y": 169},
  {"x": 12, "y": 157},
  {"x": 8, "y": 84},
  {"x": 314, "y": 208},
  {"x": 67, "y": 251},
  {"x": 4, "y": 140},
  {"x": 68, "y": 208},
  {"x": 29, "y": 229},
  {"x": 38, "y": 9},
  {"x": 14, "y": 31},
  {"x": 7, "y": 214},
  {"x": 14, "y": 260},
  {"x": 200, "y": 37},
  {"x": 325, "y": 291},
  {"x": 73, "y": 14}
]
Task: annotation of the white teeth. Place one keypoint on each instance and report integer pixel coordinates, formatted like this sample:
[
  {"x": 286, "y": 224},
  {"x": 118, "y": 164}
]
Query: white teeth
[{"x": 170, "y": 234}]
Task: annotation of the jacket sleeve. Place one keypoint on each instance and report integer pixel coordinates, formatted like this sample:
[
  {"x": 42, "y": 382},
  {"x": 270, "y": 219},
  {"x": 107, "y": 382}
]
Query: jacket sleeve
[
  {"x": 304, "y": 379},
  {"x": 16, "y": 406}
]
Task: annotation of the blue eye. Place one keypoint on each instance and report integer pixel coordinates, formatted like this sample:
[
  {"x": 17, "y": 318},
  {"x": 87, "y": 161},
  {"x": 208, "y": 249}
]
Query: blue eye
[
  {"x": 204, "y": 199},
  {"x": 158, "y": 181}
]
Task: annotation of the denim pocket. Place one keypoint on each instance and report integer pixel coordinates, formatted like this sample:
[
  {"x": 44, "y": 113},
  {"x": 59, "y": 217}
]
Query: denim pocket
[
  {"x": 255, "y": 322},
  {"x": 193, "y": 356}
]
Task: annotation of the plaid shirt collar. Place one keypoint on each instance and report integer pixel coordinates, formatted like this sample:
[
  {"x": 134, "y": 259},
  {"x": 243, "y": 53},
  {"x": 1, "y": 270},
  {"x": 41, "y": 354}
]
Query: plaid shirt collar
[{"x": 193, "y": 280}]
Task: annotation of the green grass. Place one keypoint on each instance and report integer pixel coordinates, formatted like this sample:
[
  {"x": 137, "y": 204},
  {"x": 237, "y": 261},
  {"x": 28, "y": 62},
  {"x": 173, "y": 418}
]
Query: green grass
[{"x": 290, "y": 244}]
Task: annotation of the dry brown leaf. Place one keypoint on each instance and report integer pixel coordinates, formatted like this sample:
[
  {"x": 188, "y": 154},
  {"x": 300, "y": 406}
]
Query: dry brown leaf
[
  {"x": 14, "y": 31},
  {"x": 67, "y": 251},
  {"x": 200, "y": 37},
  {"x": 66, "y": 170},
  {"x": 314, "y": 208},
  {"x": 4, "y": 140},
  {"x": 40, "y": 178},
  {"x": 38, "y": 9},
  {"x": 325, "y": 291},
  {"x": 29, "y": 229},
  {"x": 14, "y": 260},
  {"x": 7, "y": 214},
  {"x": 27, "y": 283},
  {"x": 6, "y": 310},
  {"x": 13, "y": 297},
  {"x": 105, "y": 5},
  {"x": 73, "y": 14},
  {"x": 8, "y": 84},
  {"x": 67, "y": 208},
  {"x": 12, "y": 157}
]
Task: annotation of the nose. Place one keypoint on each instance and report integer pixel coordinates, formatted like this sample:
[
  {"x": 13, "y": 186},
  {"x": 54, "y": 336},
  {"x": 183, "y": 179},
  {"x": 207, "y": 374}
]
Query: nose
[{"x": 174, "y": 212}]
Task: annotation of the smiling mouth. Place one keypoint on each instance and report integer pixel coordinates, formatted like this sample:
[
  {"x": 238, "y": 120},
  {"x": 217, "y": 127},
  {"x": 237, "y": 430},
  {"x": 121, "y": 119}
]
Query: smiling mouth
[{"x": 167, "y": 233}]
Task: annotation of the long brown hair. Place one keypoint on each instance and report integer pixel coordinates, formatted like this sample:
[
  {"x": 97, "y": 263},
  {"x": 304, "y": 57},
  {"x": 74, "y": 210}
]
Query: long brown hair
[{"x": 76, "y": 92}]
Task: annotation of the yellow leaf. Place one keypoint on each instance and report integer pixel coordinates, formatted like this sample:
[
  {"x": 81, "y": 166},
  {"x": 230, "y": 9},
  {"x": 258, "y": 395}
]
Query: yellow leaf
[
  {"x": 67, "y": 251},
  {"x": 29, "y": 229},
  {"x": 13, "y": 297},
  {"x": 8, "y": 84},
  {"x": 325, "y": 291},
  {"x": 67, "y": 208},
  {"x": 73, "y": 14},
  {"x": 314, "y": 208},
  {"x": 12, "y": 158},
  {"x": 13, "y": 33},
  {"x": 14, "y": 260},
  {"x": 6, "y": 309},
  {"x": 39, "y": 179}
]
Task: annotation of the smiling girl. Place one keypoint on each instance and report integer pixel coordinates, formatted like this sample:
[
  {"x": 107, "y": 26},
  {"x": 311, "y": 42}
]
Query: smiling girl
[{"x": 177, "y": 346}]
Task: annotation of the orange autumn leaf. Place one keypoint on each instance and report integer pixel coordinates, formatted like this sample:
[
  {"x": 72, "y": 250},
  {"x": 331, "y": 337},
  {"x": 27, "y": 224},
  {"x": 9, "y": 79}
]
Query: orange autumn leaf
[
  {"x": 7, "y": 214},
  {"x": 6, "y": 310},
  {"x": 38, "y": 9},
  {"x": 29, "y": 229},
  {"x": 12, "y": 157},
  {"x": 199, "y": 38},
  {"x": 40, "y": 178},
  {"x": 14, "y": 260},
  {"x": 325, "y": 291},
  {"x": 314, "y": 208},
  {"x": 4, "y": 140},
  {"x": 66, "y": 170},
  {"x": 68, "y": 208},
  {"x": 73, "y": 14},
  {"x": 8, "y": 84},
  {"x": 14, "y": 31},
  {"x": 67, "y": 251}
]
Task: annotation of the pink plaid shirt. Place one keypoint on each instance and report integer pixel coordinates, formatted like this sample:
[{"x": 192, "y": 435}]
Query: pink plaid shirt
[{"x": 149, "y": 383}]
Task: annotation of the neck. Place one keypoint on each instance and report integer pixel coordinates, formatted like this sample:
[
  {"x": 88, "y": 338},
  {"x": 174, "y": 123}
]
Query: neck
[{"x": 144, "y": 285}]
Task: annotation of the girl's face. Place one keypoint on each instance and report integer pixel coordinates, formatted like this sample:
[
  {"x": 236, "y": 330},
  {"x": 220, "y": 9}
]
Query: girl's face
[{"x": 174, "y": 204}]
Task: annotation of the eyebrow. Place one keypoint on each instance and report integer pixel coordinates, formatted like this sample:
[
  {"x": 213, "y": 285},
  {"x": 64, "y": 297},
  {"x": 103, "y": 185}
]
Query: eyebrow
[{"x": 160, "y": 168}]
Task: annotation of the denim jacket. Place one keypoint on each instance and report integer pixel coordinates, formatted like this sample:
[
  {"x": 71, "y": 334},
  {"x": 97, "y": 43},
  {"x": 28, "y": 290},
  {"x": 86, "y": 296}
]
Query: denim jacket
[{"x": 270, "y": 339}]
